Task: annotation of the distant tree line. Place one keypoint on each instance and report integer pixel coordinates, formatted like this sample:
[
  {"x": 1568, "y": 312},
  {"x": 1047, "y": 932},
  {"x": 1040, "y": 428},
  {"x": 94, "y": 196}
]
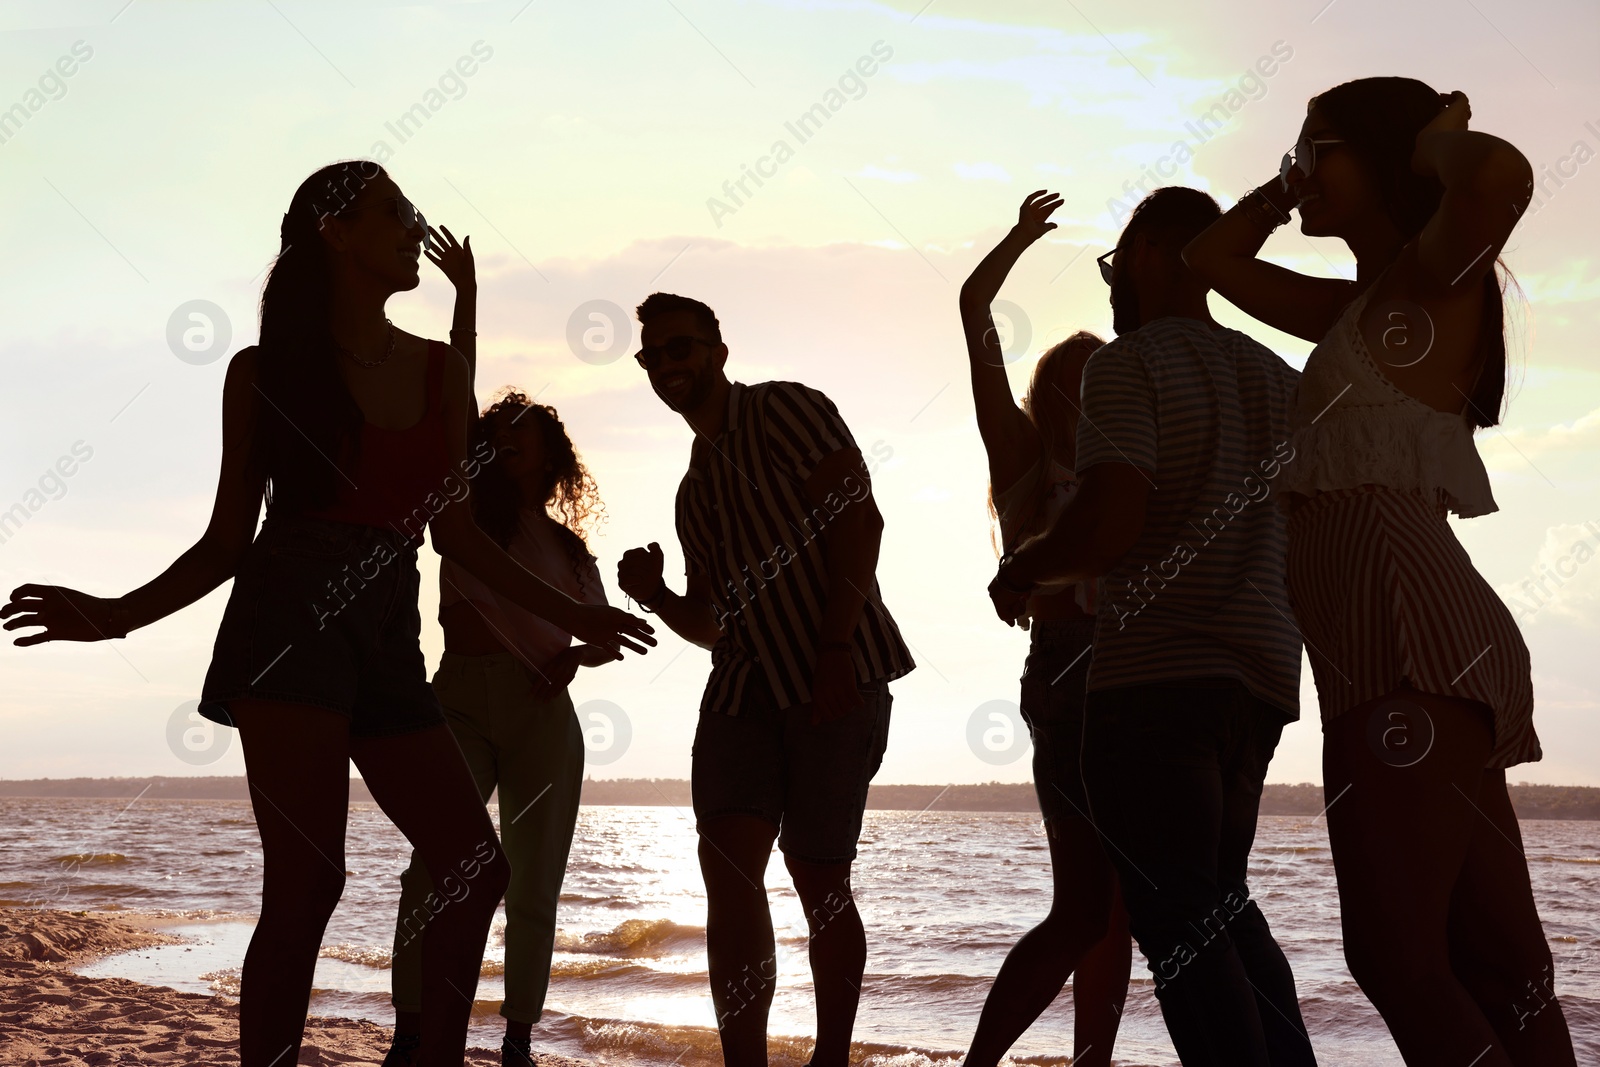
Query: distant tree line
[{"x": 1530, "y": 801}]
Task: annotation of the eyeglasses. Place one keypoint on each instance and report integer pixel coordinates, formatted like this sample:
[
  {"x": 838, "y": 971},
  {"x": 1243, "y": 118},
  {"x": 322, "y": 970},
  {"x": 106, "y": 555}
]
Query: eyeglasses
[
  {"x": 1105, "y": 265},
  {"x": 1303, "y": 157},
  {"x": 675, "y": 348},
  {"x": 404, "y": 210}
]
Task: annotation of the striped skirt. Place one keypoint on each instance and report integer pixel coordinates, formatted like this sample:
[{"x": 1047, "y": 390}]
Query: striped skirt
[{"x": 1386, "y": 597}]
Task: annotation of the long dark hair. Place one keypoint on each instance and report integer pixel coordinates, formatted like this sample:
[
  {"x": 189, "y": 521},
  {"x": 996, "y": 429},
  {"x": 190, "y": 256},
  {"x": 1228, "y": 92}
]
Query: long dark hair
[
  {"x": 568, "y": 489},
  {"x": 1379, "y": 119},
  {"x": 308, "y": 421}
]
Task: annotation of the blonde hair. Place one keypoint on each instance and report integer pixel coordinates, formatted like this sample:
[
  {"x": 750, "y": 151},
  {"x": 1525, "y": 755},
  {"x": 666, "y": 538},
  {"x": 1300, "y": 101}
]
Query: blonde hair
[{"x": 1052, "y": 411}]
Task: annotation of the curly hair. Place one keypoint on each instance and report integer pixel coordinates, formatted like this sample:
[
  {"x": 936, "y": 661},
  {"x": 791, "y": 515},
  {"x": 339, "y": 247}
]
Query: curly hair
[{"x": 569, "y": 490}]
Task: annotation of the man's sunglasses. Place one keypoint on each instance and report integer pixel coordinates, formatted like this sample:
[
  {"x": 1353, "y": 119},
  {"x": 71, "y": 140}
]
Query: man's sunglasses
[
  {"x": 676, "y": 349},
  {"x": 1303, "y": 157},
  {"x": 1105, "y": 265}
]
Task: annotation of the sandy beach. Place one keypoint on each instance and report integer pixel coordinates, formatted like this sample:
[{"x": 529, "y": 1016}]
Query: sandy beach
[{"x": 49, "y": 1015}]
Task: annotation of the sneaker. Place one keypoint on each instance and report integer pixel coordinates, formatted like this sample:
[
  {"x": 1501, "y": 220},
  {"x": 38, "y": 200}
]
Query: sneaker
[
  {"x": 517, "y": 1052},
  {"x": 403, "y": 1050}
]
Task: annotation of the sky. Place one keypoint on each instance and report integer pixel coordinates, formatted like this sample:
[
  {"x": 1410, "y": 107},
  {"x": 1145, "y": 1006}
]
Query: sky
[{"x": 595, "y": 154}]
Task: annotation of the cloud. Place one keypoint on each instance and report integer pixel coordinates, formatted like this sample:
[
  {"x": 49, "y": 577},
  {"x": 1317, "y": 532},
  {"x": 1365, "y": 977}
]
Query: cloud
[
  {"x": 883, "y": 174},
  {"x": 980, "y": 172},
  {"x": 1563, "y": 584}
]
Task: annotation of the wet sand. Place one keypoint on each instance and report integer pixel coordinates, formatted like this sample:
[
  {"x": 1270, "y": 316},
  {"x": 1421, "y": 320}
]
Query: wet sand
[{"x": 50, "y": 1015}]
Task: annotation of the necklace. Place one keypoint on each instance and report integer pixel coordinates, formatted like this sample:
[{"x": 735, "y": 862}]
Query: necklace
[{"x": 376, "y": 362}]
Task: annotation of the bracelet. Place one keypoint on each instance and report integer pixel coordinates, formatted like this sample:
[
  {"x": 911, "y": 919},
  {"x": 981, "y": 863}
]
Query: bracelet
[
  {"x": 469, "y": 333},
  {"x": 644, "y": 604},
  {"x": 1261, "y": 211},
  {"x": 999, "y": 580}
]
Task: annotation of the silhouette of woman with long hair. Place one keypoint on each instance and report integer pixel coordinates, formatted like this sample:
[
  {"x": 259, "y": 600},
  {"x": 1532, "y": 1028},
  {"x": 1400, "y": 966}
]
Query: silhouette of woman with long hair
[
  {"x": 1421, "y": 673},
  {"x": 503, "y": 682},
  {"x": 356, "y": 434},
  {"x": 1031, "y": 453}
]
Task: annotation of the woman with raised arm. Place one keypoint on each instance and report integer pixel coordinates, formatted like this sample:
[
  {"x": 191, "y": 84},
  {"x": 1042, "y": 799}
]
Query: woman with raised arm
[
  {"x": 356, "y": 433},
  {"x": 503, "y": 684},
  {"x": 1031, "y": 451},
  {"x": 1421, "y": 673}
]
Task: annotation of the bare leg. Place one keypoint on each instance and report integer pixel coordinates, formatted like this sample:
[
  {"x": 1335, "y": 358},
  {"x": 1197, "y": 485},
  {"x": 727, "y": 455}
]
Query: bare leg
[
  {"x": 1401, "y": 826},
  {"x": 838, "y": 954},
  {"x": 422, "y": 783},
  {"x": 740, "y": 953},
  {"x": 1077, "y": 937},
  {"x": 297, "y": 761},
  {"x": 1497, "y": 945}
]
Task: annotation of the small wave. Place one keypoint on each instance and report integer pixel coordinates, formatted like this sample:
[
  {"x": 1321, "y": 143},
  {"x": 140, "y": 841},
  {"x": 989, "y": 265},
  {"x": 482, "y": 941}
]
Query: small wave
[
  {"x": 90, "y": 859},
  {"x": 630, "y": 1042},
  {"x": 634, "y": 937},
  {"x": 224, "y": 983},
  {"x": 1588, "y": 860},
  {"x": 360, "y": 955}
]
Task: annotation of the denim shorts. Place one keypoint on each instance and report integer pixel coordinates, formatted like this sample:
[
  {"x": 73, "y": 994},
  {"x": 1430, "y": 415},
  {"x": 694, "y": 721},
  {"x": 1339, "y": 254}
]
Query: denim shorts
[
  {"x": 325, "y": 613},
  {"x": 1053, "y": 690},
  {"x": 809, "y": 781}
]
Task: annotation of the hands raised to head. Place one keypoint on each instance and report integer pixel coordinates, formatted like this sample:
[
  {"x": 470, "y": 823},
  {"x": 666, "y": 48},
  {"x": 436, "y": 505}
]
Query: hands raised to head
[
  {"x": 1454, "y": 116},
  {"x": 452, "y": 257}
]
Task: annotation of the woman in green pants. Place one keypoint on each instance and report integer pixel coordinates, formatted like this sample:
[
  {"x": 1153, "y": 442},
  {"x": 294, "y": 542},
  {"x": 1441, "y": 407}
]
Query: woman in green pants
[{"x": 503, "y": 683}]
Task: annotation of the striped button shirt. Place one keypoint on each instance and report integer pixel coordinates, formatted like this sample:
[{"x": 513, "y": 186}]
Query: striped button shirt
[
  {"x": 1205, "y": 414},
  {"x": 745, "y": 522}
]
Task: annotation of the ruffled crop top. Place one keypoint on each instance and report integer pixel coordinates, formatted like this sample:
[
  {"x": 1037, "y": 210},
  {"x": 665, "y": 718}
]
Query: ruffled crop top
[{"x": 1354, "y": 426}]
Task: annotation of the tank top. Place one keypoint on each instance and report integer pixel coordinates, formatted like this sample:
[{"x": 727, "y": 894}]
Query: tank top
[
  {"x": 1353, "y": 426},
  {"x": 399, "y": 481},
  {"x": 538, "y": 546}
]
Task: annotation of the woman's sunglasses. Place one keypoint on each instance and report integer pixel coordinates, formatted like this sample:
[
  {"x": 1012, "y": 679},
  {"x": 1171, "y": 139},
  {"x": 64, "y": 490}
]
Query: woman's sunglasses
[{"x": 1303, "y": 157}]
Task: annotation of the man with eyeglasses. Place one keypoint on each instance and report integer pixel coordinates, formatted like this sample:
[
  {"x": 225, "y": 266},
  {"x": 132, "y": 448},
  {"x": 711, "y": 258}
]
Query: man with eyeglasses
[
  {"x": 780, "y": 541},
  {"x": 1184, "y": 423}
]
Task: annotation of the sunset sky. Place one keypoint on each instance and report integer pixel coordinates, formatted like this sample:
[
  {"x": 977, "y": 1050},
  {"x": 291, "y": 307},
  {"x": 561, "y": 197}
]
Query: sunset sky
[{"x": 595, "y": 153}]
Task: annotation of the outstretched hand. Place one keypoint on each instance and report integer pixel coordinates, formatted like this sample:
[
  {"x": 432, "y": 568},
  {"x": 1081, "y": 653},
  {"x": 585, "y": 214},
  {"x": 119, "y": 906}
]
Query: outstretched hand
[
  {"x": 452, "y": 257},
  {"x": 1033, "y": 218},
  {"x": 65, "y": 614},
  {"x": 612, "y": 628}
]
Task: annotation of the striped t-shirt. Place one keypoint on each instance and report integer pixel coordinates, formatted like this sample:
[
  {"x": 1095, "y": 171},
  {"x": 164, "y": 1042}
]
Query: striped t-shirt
[
  {"x": 745, "y": 522},
  {"x": 1205, "y": 415}
]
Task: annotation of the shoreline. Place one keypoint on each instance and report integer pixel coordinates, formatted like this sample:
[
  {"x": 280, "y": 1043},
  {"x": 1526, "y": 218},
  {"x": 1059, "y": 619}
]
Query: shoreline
[
  {"x": 48, "y": 1011},
  {"x": 1531, "y": 802}
]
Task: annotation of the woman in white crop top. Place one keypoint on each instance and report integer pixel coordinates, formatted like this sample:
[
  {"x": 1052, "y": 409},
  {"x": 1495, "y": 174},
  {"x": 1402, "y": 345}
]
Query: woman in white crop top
[
  {"x": 1422, "y": 675},
  {"x": 1030, "y": 450},
  {"x": 503, "y": 684}
]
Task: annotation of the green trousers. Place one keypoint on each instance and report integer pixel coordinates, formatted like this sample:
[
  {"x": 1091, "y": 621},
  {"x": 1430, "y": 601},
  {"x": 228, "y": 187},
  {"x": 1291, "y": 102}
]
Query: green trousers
[{"x": 534, "y": 753}]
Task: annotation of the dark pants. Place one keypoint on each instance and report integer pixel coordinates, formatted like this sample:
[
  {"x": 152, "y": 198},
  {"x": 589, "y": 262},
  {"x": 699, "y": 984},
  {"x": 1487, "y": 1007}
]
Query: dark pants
[{"x": 1173, "y": 774}]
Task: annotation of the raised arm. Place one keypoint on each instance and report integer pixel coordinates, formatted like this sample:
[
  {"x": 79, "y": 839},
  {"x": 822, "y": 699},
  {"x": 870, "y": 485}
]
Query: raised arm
[
  {"x": 457, "y": 537},
  {"x": 690, "y": 616},
  {"x": 455, "y": 262},
  {"x": 1009, "y": 438},
  {"x": 1224, "y": 256},
  {"x": 1487, "y": 186},
  {"x": 69, "y": 615}
]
